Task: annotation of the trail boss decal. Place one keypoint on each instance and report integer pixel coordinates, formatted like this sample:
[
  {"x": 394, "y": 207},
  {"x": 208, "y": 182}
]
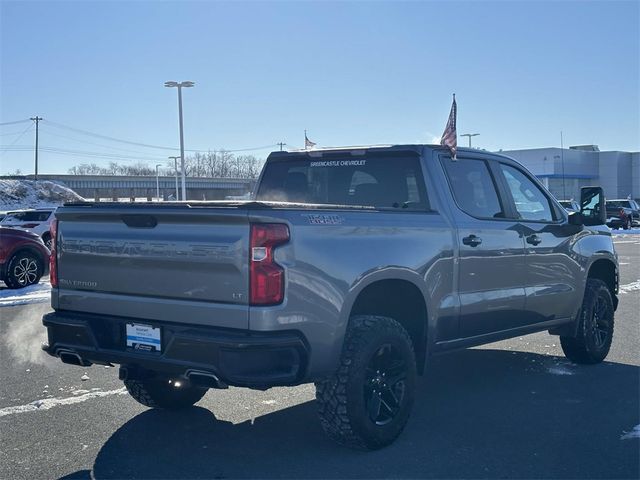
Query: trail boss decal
[{"x": 317, "y": 219}]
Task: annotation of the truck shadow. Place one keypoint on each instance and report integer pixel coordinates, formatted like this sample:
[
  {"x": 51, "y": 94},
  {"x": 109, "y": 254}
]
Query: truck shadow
[{"x": 479, "y": 413}]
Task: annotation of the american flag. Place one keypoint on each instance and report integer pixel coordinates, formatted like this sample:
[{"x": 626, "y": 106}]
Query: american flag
[
  {"x": 308, "y": 143},
  {"x": 450, "y": 137}
]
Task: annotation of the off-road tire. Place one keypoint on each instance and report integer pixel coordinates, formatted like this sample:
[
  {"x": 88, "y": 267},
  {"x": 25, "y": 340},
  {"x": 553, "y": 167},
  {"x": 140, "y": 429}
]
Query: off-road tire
[
  {"x": 158, "y": 393},
  {"x": 341, "y": 399},
  {"x": 17, "y": 277},
  {"x": 597, "y": 310}
]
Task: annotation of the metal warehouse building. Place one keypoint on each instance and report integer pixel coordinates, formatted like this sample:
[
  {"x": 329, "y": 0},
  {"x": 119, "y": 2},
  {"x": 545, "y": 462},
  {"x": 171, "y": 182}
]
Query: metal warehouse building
[
  {"x": 95, "y": 187},
  {"x": 564, "y": 171}
]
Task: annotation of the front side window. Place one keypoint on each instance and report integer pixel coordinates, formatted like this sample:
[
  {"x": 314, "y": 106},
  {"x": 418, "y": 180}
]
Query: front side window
[
  {"x": 473, "y": 187},
  {"x": 531, "y": 203}
]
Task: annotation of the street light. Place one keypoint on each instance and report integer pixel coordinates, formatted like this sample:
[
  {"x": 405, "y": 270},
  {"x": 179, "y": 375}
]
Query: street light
[
  {"x": 175, "y": 163},
  {"x": 179, "y": 86},
  {"x": 158, "y": 182},
  {"x": 469, "y": 135}
]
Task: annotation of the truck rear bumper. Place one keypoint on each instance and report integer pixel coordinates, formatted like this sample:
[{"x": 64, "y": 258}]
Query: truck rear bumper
[{"x": 236, "y": 357}]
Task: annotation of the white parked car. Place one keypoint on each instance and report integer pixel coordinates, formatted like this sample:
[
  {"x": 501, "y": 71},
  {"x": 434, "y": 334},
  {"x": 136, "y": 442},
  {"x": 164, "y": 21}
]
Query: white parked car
[{"x": 37, "y": 221}]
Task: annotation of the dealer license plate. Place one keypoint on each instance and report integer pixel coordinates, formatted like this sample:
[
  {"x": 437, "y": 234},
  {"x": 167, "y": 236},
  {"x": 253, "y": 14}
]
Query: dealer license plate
[{"x": 143, "y": 337}]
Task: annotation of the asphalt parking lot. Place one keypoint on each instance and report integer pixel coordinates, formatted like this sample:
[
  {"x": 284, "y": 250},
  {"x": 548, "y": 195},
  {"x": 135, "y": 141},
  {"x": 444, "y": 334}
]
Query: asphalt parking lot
[{"x": 513, "y": 409}]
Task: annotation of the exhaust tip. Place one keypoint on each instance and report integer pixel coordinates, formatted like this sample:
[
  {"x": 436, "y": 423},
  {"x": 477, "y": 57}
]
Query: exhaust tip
[
  {"x": 72, "y": 358},
  {"x": 205, "y": 379}
]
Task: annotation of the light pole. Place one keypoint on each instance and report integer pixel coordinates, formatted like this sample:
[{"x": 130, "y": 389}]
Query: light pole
[
  {"x": 179, "y": 86},
  {"x": 469, "y": 135},
  {"x": 564, "y": 193},
  {"x": 175, "y": 163},
  {"x": 158, "y": 181}
]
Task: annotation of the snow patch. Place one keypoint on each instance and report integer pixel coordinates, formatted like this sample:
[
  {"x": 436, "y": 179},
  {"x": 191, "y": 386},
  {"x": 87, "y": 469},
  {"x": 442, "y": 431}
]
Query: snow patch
[
  {"x": 39, "y": 293},
  {"x": 22, "y": 194},
  {"x": 560, "y": 369},
  {"x": 629, "y": 287},
  {"x": 622, "y": 233},
  {"x": 48, "y": 403},
  {"x": 635, "y": 433}
]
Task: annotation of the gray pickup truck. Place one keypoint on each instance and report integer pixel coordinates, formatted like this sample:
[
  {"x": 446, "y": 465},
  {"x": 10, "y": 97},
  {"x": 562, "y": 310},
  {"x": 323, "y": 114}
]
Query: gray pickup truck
[{"x": 349, "y": 268}]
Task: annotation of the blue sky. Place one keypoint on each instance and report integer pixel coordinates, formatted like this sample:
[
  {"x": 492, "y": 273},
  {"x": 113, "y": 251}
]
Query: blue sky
[{"x": 348, "y": 72}]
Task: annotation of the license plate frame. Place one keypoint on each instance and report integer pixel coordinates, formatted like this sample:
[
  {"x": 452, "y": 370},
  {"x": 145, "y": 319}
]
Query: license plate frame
[{"x": 143, "y": 337}]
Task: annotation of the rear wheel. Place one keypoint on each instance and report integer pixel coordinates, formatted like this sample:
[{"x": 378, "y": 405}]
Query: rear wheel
[
  {"x": 48, "y": 242},
  {"x": 163, "y": 393},
  {"x": 367, "y": 402},
  {"x": 595, "y": 326},
  {"x": 23, "y": 269}
]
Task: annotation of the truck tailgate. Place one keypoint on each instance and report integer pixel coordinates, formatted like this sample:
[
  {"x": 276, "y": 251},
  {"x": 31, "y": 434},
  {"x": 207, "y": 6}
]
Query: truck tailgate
[{"x": 158, "y": 262}]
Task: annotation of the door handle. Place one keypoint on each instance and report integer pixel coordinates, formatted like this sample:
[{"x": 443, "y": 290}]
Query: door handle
[
  {"x": 472, "y": 241},
  {"x": 534, "y": 240}
]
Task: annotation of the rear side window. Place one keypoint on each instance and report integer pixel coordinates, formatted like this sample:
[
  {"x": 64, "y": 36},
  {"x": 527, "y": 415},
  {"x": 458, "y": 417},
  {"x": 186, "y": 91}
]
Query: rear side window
[
  {"x": 29, "y": 216},
  {"x": 473, "y": 187},
  {"x": 531, "y": 203},
  {"x": 393, "y": 183}
]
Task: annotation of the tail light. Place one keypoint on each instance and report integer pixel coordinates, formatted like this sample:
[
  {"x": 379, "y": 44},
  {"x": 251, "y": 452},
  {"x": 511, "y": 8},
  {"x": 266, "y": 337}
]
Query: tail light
[
  {"x": 53, "y": 260},
  {"x": 266, "y": 278}
]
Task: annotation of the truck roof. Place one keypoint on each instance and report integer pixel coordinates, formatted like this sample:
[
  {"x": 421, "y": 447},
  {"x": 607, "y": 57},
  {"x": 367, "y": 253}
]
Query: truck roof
[{"x": 413, "y": 147}]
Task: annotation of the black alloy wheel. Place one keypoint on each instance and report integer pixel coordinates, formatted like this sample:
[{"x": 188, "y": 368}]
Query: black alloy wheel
[
  {"x": 600, "y": 324},
  {"x": 384, "y": 387}
]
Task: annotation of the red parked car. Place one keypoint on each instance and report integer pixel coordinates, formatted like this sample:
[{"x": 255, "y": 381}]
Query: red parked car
[{"x": 23, "y": 257}]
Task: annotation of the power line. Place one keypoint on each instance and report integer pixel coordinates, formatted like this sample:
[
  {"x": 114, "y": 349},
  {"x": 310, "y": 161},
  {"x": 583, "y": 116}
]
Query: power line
[
  {"x": 114, "y": 156},
  {"x": 10, "y": 133},
  {"x": 106, "y": 137},
  {"x": 14, "y": 122},
  {"x": 93, "y": 143},
  {"x": 148, "y": 145},
  {"x": 6, "y": 148}
]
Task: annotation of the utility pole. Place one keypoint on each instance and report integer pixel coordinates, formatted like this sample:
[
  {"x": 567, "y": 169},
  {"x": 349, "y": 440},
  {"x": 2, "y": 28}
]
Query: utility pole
[
  {"x": 469, "y": 135},
  {"x": 281, "y": 145},
  {"x": 37, "y": 120},
  {"x": 175, "y": 162},
  {"x": 564, "y": 193}
]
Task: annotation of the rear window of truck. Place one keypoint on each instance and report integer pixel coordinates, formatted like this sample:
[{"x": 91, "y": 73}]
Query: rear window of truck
[{"x": 393, "y": 183}]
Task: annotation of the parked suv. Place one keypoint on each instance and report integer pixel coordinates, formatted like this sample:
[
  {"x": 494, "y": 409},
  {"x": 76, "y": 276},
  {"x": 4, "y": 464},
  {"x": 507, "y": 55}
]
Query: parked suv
[
  {"x": 23, "y": 257},
  {"x": 350, "y": 268},
  {"x": 37, "y": 221}
]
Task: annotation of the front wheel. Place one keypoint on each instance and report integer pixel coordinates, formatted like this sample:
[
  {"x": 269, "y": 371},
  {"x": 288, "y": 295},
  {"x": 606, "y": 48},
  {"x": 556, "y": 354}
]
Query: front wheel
[
  {"x": 367, "y": 402},
  {"x": 162, "y": 393},
  {"x": 595, "y": 326}
]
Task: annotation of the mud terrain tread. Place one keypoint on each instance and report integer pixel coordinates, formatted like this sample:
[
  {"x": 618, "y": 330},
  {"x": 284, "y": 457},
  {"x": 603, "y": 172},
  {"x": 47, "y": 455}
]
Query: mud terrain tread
[
  {"x": 577, "y": 349},
  {"x": 331, "y": 393}
]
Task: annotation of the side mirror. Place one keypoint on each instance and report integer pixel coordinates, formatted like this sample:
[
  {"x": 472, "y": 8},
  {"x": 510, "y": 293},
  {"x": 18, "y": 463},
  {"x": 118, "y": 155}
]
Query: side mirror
[
  {"x": 575, "y": 218},
  {"x": 592, "y": 208}
]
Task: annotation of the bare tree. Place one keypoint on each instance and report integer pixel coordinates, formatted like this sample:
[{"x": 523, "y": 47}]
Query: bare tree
[{"x": 216, "y": 164}]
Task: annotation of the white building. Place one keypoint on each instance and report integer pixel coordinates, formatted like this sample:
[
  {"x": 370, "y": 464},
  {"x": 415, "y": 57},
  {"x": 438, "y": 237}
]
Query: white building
[{"x": 564, "y": 171}]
